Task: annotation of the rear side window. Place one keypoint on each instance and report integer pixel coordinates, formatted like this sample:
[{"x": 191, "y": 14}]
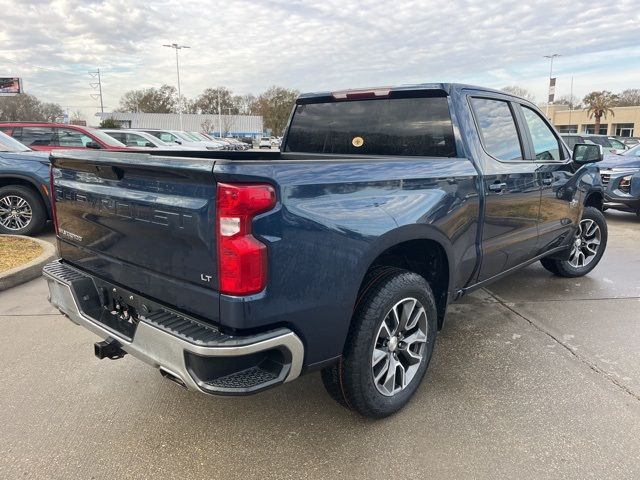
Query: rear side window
[
  {"x": 396, "y": 126},
  {"x": 34, "y": 136},
  {"x": 497, "y": 128},
  {"x": 117, "y": 135},
  {"x": 545, "y": 143}
]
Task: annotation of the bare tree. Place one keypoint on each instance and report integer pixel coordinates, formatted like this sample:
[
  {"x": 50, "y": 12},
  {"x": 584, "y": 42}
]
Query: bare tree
[
  {"x": 629, "y": 98},
  {"x": 25, "y": 107},
  {"x": 207, "y": 125},
  {"x": 571, "y": 101},
  {"x": 520, "y": 92},
  {"x": 150, "y": 100}
]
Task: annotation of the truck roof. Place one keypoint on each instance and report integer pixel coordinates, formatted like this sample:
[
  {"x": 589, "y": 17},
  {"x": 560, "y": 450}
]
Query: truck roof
[{"x": 447, "y": 88}]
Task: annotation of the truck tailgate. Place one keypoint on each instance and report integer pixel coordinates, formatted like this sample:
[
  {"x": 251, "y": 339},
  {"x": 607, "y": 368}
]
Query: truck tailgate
[{"x": 146, "y": 219}]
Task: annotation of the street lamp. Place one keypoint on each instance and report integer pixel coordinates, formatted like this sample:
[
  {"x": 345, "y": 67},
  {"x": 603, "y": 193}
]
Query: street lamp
[
  {"x": 178, "y": 47},
  {"x": 550, "y": 57}
]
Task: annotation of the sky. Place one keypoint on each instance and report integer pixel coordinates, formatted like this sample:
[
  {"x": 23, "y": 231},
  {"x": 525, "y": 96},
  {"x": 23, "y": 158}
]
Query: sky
[{"x": 314, "y": 45}]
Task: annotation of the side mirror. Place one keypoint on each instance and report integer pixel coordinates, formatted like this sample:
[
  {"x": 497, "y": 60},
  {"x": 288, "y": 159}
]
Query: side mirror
[
  {"x": 587, "y": 153},
  {"x": 93, "y": 145},
  {"x": 149, "y": 144}
]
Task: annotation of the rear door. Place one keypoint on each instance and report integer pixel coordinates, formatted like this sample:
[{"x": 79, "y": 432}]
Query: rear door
[
  {"x": 512, "y": 191},
  {"x": 36, "y": 138}
]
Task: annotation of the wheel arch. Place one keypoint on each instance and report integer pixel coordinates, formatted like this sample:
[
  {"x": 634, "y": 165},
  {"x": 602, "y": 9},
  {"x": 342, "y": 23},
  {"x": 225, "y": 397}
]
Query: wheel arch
[
  {"x": 594, "y": 199},
  {"x": 24, "y": 181},
  {"x": 421, "y": 249}
]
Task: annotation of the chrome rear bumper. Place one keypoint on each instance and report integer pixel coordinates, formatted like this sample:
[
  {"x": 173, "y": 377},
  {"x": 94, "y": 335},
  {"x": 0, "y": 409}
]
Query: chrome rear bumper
[{"x": 198, "y": 355}]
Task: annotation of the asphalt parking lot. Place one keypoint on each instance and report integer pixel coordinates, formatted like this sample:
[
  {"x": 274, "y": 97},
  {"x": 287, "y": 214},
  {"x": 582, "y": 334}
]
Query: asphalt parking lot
[{"x": 535, "y": 377}]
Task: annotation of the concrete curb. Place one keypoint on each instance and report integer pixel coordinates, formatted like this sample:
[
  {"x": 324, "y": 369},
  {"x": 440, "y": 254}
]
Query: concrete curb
[{"x": 30, "y": 270}]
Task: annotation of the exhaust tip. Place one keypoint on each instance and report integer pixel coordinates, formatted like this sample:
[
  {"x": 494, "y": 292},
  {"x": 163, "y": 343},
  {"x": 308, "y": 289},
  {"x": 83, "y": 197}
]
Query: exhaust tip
[{"x": 172, "y": 377}]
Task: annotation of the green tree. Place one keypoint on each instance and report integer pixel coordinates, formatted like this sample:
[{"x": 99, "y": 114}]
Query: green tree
[
  {"x": 150, "y": 100},
  {"x": 275, "y": 106},
  {"x": 520, "y": 92},
  {"x": 109, "y": 123},
  {"x": 212, "y": 98},
  {"x": 598, "y": 105},
  {"x": 629, "y": 97}
]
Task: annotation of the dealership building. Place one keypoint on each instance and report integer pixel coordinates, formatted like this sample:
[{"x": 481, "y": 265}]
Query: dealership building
[
  {"x": 625, "y": 121},
  {"x": 230, "y": 125}
]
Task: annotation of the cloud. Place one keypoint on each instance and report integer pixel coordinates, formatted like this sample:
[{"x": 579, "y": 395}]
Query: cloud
[{"x": 314, "y": 45}]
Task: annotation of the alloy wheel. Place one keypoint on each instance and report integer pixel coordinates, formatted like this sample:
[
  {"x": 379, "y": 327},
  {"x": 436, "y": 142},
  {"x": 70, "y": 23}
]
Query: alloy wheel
[
  {"x": 586, "y": 244},
  {"x": 15, "y": 212},
  {"x": 399, "y": 346}
]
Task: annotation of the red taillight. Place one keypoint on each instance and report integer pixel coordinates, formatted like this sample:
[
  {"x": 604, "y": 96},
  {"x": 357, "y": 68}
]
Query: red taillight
[
  {"x": 380, "y": 92},
  {"x": 52, "y": 199},
  {"x": 242, "y": 260}
]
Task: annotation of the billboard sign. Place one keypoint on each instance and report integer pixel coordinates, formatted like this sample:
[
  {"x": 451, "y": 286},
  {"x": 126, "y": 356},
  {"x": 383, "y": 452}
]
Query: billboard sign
[{"x": 10, "y": 86}]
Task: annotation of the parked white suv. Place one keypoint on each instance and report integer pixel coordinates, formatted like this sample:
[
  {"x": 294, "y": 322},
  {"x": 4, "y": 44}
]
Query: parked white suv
[{"x": 265, "y": 142}]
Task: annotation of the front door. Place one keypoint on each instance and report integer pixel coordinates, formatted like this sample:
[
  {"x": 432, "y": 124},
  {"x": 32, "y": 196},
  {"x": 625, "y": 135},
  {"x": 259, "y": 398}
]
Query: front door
[{"x": 558, "y": 214}]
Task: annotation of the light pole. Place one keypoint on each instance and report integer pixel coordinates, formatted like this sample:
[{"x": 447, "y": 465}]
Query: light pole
[
  {"x": 550, "y": 57},
  {"x": 219, "y": 115},
  {"x": 178, "y": 47}
]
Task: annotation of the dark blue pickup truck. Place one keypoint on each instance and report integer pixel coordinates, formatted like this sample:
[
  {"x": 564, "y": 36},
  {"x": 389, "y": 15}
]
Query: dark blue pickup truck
[{"x": 233, "y": 272}]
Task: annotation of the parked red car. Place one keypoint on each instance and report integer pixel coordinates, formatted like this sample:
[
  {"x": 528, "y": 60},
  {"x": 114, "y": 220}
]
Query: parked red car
[{"x": 58, "y": 136}]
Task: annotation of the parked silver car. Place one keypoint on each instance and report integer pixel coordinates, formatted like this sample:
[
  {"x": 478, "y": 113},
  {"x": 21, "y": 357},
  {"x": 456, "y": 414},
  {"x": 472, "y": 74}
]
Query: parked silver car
[{"x": 133, "y": 138}]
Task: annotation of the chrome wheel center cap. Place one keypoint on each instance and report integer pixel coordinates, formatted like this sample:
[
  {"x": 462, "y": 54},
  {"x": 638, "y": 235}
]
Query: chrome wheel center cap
[
  {"x": 578, "y": 242},
  {"x": 393, "y": 344}
]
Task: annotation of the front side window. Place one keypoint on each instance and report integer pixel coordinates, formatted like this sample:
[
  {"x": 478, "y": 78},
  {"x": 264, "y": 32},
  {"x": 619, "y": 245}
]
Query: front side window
[
  {"x": 165, "y": 136},
  {"x": 545, "y": 144},
  {"x": 392, "y": 126},
  {"x": 72, "y": 138},
  {"x": 497, "y": 128}
]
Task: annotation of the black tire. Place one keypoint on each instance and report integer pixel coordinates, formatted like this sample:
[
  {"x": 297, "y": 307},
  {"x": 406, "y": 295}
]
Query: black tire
[
  {"x": 34, "y": 204},
  {"x": 351, "y": 381},
  {"x": 564, "y": 268},
  {"x": 551, "y": 265}
]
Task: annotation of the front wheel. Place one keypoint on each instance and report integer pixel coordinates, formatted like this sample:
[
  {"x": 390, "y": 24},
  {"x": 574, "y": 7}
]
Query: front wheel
[
  {"x": 21, "y": 211},
  {"x": 587, "y": 248},
  {"x": 388, "y": 348}
]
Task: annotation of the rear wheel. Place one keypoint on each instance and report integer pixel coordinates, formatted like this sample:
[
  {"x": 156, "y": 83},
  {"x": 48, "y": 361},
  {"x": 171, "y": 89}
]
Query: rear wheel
[
  {"x": 587, "y": 249},
  {"x": 389, "y": 346},
  {"x": 21, "y": 211}
]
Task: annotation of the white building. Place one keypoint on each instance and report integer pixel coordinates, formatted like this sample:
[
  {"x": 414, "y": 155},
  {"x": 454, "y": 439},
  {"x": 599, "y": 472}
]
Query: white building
[{"x": 230, "y": 125}]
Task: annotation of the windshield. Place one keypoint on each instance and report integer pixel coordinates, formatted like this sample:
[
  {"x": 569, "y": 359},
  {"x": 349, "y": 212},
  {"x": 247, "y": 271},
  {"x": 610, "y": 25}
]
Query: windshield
[
  {"x": 8, "y": 144},
  {"x": 198, "y": 136},
  {"x": 105, "y": 138},
  {"x": 632, "y": 152},
  {"x": 185, "y": 136}
]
